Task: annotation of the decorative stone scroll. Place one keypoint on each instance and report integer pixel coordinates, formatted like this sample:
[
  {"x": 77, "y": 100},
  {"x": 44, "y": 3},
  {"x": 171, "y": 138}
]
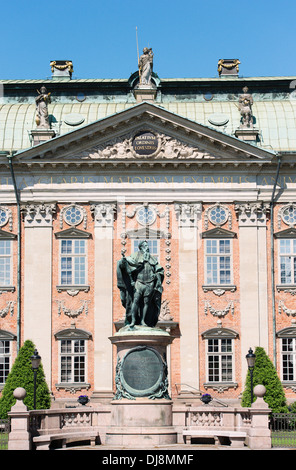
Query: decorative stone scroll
[
  {"x": 103, "y": 213},
  {"x": 187, "y": 213},
  {"x": 251, "y": 213},
  {"x": 160, "y": 146},
  {"x": 39, "y": 214}
]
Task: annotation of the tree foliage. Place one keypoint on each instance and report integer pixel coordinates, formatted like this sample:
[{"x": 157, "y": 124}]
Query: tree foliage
[
  {"x": 22, "y": 375},
  {"x": 265, "y": 374}
]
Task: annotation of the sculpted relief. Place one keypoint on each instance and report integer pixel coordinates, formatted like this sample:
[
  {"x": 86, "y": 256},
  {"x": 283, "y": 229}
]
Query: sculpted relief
[{"x": 144, "y": 145}]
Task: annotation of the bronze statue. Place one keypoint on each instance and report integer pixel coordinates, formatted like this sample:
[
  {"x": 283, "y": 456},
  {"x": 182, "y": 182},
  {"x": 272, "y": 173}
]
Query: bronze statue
[
  {"x": 42, "y": 101},
  {"x": 146, "y": 66},
  {"x": 139, "y": 278}
]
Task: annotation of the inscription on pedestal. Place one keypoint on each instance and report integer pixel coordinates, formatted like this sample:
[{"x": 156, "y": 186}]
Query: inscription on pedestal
[{"x": 142, "y": 373}]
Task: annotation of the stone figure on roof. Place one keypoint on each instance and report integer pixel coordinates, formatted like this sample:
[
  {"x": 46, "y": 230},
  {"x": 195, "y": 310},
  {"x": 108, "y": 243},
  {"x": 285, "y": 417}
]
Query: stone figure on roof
[
  {"x": 146, "y": 66},
  {"x": 245, "y": 106},
  {"x": 139, "y": 278},
  {"x": 42, "y": 101}
]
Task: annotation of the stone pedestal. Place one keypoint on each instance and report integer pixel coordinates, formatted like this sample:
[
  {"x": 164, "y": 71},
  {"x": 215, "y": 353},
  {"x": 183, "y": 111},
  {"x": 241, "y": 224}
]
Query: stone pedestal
[
  {"x": 247, "y": 134},
  {"x": 39, "y": 136},
  {"x": 142, "y": 409},
  {"x": 145, "y": 93}
]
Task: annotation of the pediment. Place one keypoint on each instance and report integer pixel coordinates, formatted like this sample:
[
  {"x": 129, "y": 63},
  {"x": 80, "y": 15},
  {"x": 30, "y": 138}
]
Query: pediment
[
  {"x": 287, "y": 233},
  {"x": 73, "y": 232},
  {"x": 149, "y": 134},
  {"x": 218, "y": 232}
]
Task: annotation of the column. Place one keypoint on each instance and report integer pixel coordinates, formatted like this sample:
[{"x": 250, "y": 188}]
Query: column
[
  {"x": 103, "y": 214},
  {"x": 253, "y": 278},
  {"x": 38, "y": 279},
  {"x": 189, "y": 219}
]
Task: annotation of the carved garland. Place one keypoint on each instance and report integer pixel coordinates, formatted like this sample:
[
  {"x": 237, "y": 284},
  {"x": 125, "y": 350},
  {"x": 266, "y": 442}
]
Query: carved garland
[
  {"x": 287, "y": 311},
  {"x": 219, "y": 313},
  {"x": 9, "y": 308},
  {"x": 71, "y": 312}
]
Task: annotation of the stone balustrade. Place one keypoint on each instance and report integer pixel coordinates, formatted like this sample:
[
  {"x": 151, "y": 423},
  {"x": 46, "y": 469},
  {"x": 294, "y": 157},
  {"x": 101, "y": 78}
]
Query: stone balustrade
[{"x": 25, "y": 425}]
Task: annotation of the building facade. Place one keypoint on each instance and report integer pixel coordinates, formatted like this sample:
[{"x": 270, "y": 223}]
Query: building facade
[{"x": 201, "y": 168}]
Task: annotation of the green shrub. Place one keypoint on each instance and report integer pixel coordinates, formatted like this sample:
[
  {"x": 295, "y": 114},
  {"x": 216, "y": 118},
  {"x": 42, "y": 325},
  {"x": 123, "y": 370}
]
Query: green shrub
[
  {"x": 22, "y": 375},
  {"x": 265, "y": 374}
]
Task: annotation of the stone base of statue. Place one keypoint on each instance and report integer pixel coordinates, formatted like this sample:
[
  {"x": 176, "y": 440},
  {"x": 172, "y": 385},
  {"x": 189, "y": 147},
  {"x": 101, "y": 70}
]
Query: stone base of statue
[
  {"x": 248, "y": 134},
  {"x": 142, "y": 408},
  {"x": 145, "y": 93},
  {"x": 40, "y": 135}
]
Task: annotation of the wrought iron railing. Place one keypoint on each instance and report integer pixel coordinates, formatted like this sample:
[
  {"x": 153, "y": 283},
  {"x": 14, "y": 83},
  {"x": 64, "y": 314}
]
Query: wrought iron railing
[
  {"x": 4, "y": 433},
  {"x": 283, "y": 430}
]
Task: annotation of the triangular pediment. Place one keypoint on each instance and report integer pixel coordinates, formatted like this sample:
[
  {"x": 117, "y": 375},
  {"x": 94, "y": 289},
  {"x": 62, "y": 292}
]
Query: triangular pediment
[
  {"x": 287, "y": 233},
  {"x": 73, "y": 232},
  {"x": 218, "y": 232},
  {"x": 145, "y": 133}
]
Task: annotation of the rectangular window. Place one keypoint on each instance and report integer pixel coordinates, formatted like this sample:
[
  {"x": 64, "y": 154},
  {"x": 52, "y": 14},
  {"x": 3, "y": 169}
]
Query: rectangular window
[
  {"x": 218, "y": 261},
  {"x": 153, "y": 246},
  {"x": 288, "y": 261},
  {"x": 220, "y": 360},
  {"x": 4, "y": 360},
  {"x": 73, "y": 361},
  {"x": 5, "y": 262},
  {"x": 73, "y": 262},
  {"x": 289, "y": 359}
]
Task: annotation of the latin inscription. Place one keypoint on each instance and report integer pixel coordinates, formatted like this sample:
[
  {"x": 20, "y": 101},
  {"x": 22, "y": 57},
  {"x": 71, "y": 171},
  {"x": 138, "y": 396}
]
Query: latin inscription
[{"x": 145, "y": 143}]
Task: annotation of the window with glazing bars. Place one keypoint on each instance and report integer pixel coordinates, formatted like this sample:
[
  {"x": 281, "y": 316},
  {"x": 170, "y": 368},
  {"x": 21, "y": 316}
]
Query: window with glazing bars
[
  {"x": 73, "y": 361},
  {"x": 287, "y": 261},
  {"x": 220, "y": 360},
  {"x": 5, "y": 262},
  {"x": 73, "y": 262},
  {"x": 218, "y": 261},
  {"x": 5, "y": 354},
  {"x": 289, "y": 359}
]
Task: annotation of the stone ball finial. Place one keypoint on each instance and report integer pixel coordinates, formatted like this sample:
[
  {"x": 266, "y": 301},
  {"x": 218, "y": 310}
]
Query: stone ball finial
[
  {"x": 19, "y": 393},
  {"x": 259, "y": 391}
]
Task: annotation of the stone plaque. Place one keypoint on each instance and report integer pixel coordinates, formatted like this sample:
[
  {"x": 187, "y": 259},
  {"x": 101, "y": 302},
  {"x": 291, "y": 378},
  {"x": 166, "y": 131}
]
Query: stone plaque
[
  {"x": 145, "y": 143},
  {"x": 142, "y": 371}
]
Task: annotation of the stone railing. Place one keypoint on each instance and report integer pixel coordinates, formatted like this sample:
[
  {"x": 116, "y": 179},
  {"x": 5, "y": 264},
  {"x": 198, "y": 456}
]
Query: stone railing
[{"x": 43, "y": 426}]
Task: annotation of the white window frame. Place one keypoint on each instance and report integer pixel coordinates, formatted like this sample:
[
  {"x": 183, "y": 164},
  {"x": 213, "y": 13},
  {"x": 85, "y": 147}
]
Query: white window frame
[
  {"x": 292, "y": 353},
  {"x": 5, "y": 356},
  {"x": 219, "y": 256},
  {"x": 291, "y": 255},
  {"x": 220, "y": 355},
  {"x": 72, "y": 355},
  {"x": 5, "y": 257},
  {"x": 73, "y": 255}
]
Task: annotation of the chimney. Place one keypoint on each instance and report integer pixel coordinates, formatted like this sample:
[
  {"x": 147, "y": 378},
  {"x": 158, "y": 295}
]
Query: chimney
[
  {"x": 228, "y": 67},
  {"x": 61, "y": 69}
]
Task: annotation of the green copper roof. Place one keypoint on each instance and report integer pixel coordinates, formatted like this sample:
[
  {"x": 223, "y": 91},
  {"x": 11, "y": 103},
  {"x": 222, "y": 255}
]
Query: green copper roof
[{"x": 276, "y": 120}]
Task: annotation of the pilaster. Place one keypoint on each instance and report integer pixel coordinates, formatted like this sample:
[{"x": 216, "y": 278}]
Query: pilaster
[
  {"x": 189, "y": 224},
  {"x": 38, "y": 279},
  {"x": 253, "y": 277},
  {"x": 103, "y": 214}
]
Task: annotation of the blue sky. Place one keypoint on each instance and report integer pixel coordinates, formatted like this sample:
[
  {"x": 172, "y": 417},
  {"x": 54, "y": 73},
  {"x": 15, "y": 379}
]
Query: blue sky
[{"x": 188, "y": 37}]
